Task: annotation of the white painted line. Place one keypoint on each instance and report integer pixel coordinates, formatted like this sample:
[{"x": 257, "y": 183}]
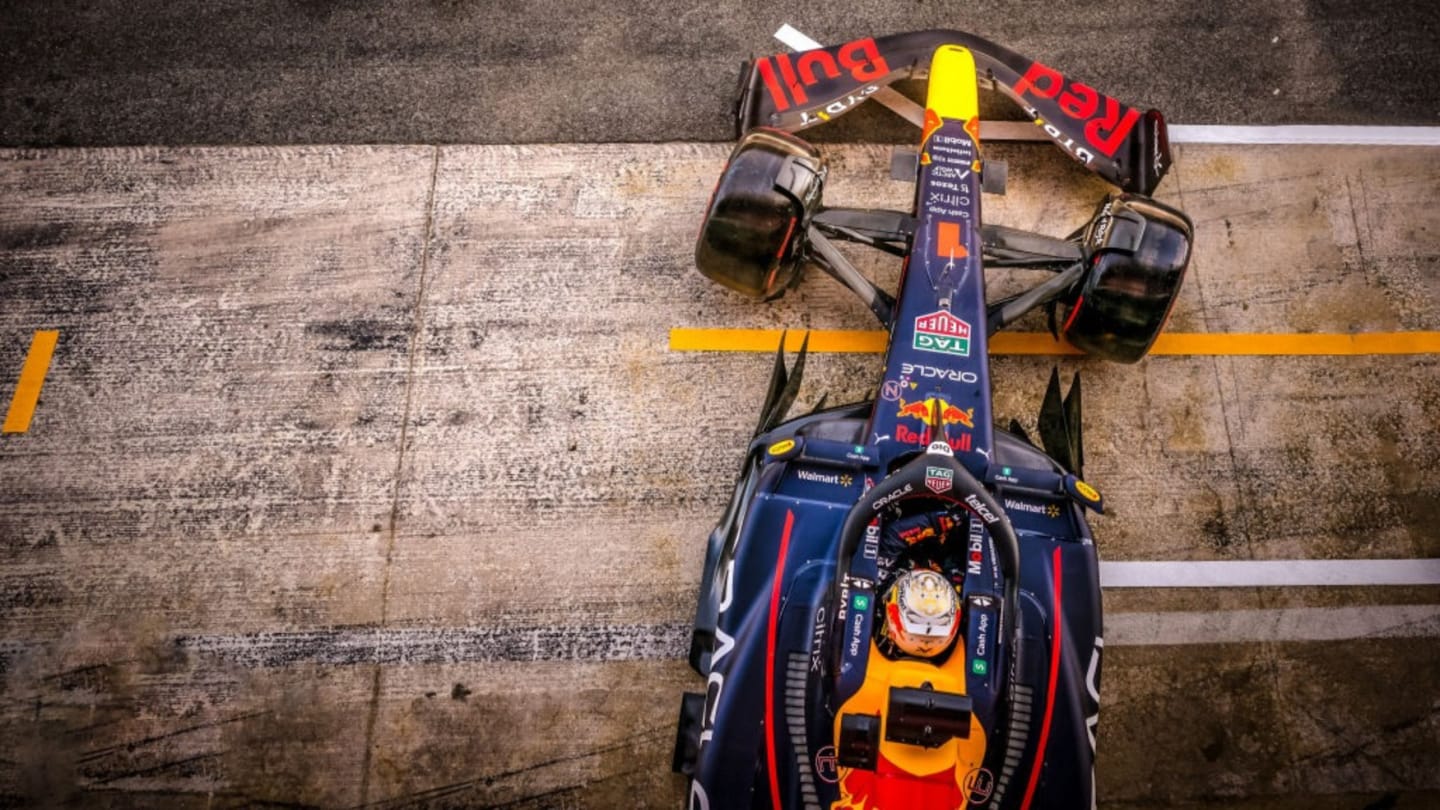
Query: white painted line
[
  {"x": 1301, "y": 134},
  {"x": 794, "y": 40},
  {"x": 1283, "y": 624},
  {"x": 1268, "y": 573},
  {"x": 1298, "y": 135},
  {"x": 1306, "y": 135}
]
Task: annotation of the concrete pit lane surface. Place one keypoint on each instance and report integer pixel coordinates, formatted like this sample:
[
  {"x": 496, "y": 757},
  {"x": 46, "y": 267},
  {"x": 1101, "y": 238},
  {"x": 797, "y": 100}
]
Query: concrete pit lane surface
[{"x": 367, "y": 475}]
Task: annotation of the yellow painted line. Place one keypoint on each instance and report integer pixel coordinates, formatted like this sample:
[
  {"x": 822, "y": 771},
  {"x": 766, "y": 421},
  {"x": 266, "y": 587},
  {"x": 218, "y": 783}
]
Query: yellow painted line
[
  {"x": 1040, "y": 343},
  {"x": 32, "y": 378}
]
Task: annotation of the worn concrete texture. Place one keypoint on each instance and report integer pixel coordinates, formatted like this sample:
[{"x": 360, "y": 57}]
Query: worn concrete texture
[
  {"x": 366, "y": 476},
  {"x": 120, "y": 72}
]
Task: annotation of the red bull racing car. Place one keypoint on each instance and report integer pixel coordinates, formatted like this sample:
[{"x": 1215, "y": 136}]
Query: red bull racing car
[{"x": 900, "y": 607}]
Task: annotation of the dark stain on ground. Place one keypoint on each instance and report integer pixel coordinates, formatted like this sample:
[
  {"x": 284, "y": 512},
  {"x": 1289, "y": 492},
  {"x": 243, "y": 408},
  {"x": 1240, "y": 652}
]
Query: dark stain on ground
[
  {"x": 1386, "y": 802},
  {"x": 32, "y": 236},
  {"x": 1217, "y": 527},
  {"x": 459, "y": 692},
  {"x": 361, "y": 335},
  {"x": 1216, "y": 748},
  {"x": 30, "y": 591}
]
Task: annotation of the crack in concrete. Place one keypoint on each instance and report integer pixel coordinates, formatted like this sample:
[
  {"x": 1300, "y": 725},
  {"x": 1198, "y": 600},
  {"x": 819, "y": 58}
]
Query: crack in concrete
[{"x": 417, "y": 338}]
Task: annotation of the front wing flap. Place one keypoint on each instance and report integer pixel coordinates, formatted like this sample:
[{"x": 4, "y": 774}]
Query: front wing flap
[{"x": 792, "y": 92}]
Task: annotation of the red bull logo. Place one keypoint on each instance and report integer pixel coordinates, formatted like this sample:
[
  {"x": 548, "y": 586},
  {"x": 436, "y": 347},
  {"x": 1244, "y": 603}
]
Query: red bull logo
[
  {"x": 1104, "y": 129},
  {"x": 861, "y": 58},
  {"x": 960, "y": 444},
  {"x": 925, "y": 411}
]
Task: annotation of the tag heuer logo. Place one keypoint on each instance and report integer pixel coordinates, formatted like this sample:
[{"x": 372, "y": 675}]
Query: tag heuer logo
[
  {"x": 942, "y": 333},
  {"x": 939, "y": 479}
]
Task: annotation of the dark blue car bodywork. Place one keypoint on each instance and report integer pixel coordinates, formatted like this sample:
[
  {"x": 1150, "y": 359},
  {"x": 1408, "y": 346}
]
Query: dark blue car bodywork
[{"x": 777, "y": 633}]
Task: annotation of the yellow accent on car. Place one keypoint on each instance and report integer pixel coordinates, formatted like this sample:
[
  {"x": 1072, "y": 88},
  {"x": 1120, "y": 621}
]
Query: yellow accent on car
[
  {"x": 953, "y": 93},
  {"x": 781, "y": 447},
  {"x": 958, "y": 755},
  {"x": 1086, "y": 491}
]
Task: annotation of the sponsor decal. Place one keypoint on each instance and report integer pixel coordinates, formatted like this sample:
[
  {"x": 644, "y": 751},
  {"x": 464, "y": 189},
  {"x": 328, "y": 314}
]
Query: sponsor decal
[
  {"x": 939, "y": 479},
  {"x": 881, "y": 503},
  {"x": 861, "y": 58},
  {"x": 857, "y": 629},
  {"x": 724, "y": 644},
  {"x": 1107, "y": 121},
  {"x": 926, "y": 410},
  {"x": 824, "y": 478},
  {"x": 978, "y": 785},
  {"x": 980, "y": 665},
  {"x": 1102, "y": 226},
  {"x": 1092, "y": 687},
  {"x": 960, "y": 444},
  {"x": 1157, "y": 163},
  {"x": 890, "y": 390},
  {"x": 872, "y": 541},
  {"x": 861, "y": 601},
  {"x": 781, "y": 447},
  {"x": 1065, "y": 142},
  {"x": 940, "y": 449},
  {"x": 1086, "y": 491},
  {"x": 937, "y": 373},
  {"x": 942, "y": 333},
  {"x": 976, "y": 549},
  {"x": 981, "y": 509},
  {"x": 948, "y": 245},
  {"x": 817, "y": 640},
  {"x": 834, "y": 108},
  {"x": 1049, "y": 510},
  {"x": 827, "y": 765}
]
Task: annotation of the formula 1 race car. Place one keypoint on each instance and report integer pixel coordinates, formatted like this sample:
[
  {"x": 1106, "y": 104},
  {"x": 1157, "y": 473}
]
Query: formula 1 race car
[{"x": 900, "y": 608}]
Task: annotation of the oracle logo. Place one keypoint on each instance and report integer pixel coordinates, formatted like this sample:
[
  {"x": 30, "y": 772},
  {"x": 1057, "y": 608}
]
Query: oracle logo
[
  {"x": 861, "y": 58},
  {"x": 1107, "y": 121}
]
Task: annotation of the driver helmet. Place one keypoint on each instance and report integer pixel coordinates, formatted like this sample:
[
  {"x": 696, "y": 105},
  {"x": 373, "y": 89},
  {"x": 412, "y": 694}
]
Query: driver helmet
[{"x": 922, "y": 613}]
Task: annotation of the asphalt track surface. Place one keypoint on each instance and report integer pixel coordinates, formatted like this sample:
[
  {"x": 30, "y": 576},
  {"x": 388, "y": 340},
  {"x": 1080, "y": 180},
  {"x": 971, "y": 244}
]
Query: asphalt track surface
[
  {"x": 332, "y": 497},
  {"x": 110, "y": 72}
]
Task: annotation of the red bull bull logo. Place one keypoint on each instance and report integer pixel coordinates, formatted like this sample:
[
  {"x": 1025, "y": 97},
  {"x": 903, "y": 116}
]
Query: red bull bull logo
[{"x": 925, "y": 412}]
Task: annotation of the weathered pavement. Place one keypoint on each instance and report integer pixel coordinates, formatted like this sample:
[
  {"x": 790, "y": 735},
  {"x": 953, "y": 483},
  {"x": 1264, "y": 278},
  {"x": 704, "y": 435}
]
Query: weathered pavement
[
  {"x": 125, "y": 72},
  {"x": 365, "y": 476}
]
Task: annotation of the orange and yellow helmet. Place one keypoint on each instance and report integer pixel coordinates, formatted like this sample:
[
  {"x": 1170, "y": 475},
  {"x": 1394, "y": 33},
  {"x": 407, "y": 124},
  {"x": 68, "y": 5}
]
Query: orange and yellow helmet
[{"x": 922, "y": 613}]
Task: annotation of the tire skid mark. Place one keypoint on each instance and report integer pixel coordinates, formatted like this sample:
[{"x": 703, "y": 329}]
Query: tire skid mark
[
  {"x": 131, "y": 745},
  {"x": 186, "y": 765},
  {"x": 420, "y": 798},
  {"x": 376, "y": 645}
]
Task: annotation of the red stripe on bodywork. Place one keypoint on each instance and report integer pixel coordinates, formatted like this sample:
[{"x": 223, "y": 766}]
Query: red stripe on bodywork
[
  {"x": 767, "y": 75},
  {"x": 1079, "y": 302},
  {"x": 770, "y": 728},
  {"x": 1050, "y": 690}
]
